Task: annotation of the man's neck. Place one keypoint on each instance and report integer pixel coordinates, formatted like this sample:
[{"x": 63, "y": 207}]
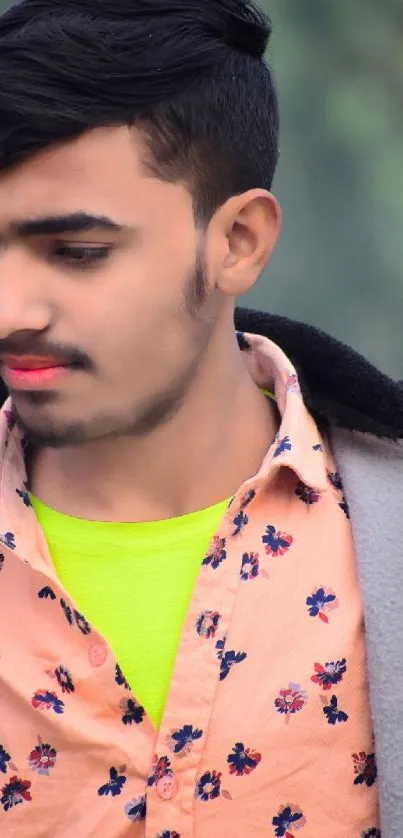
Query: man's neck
[{"x": 215, "y": 442}]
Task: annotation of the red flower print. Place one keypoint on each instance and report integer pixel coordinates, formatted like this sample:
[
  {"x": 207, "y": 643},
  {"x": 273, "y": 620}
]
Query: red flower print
[
  {"x": 42, "y": 759},
  {"x": 14, "y": 793},
  {"x": 1, "y": 561},
  {"x": 329, "y": 674},
  {"x": 291, "y": 700},
  {"x": 277, "y": 543},
  {"x": 365, "y": 769}
]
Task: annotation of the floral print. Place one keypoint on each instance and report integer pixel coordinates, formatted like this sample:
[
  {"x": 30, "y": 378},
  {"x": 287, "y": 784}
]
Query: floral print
[
  {"x": 133, "y": 713},
  {"x": 46, "y": 700},
  {"x": 365, "y": 769},
  {"x": 181, "y": 741},
  {"x": 4, "y": 759},
  {"x": 308, "y": 495},
  {"x": 289, "y": 820},
  {"x": 115, "y": 785},
  {"x": 64, "y": 679},
  {"x": 16, "y": 791},
  {"x": 332, "y": 712},
  {"x": 291, "y": 700},
  {"x": 243, "y": 760},
  {"x": 321, "y": 602},
  {"x": 47, "y": 593},
  {"x": 277, "y": 543},
  {"x": 283, "y": 446},
  {"x": 228, "y": 659},
  {"x": 120, "y": 678},
  {"x": 250, "y": 566},
  {"x": 218, "y": 553},
  {"x": 136, "y": 809},
  {"x": 42, "y": 759},
  {"x": 161, "y": 768},
  {"x": 209, "y": 786},
  {"x": 207, "y": 624},
  {"x": 329, "y": 674}
]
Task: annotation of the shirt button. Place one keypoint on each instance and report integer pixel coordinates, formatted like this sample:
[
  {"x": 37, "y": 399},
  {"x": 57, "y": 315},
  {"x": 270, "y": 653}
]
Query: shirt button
[
  {"x": 167, "y": 788},
  {"x": 98, "y": 654}
]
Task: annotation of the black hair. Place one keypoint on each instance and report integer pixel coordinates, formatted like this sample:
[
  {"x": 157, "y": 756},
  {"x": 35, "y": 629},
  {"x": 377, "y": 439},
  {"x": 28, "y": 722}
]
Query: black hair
[{"x": 192, "y": 75}]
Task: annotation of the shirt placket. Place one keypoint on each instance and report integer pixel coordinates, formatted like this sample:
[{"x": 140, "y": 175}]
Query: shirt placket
[{"x": 196, "y": 680}]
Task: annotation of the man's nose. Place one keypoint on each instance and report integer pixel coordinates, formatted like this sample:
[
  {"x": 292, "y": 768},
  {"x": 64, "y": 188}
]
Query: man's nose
[{"x": 23, "y": 306}]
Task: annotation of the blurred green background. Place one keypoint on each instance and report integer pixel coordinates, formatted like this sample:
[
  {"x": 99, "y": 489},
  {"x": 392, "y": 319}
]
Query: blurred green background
[{"x": 339, "y": 265}]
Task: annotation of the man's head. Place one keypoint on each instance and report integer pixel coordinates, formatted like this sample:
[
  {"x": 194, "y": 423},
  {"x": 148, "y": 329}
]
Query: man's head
[{"x": 138, "y": 144}]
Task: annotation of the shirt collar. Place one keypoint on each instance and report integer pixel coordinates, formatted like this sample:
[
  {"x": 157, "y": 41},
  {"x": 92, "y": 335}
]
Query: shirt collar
[{"x": 298, "y": 446}]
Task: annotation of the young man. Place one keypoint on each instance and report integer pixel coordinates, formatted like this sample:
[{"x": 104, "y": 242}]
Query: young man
[{"x": 182, "y": 603}]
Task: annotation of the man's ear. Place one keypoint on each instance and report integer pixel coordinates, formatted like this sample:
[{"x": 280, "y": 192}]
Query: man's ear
[{"x": 247, "y": 228}]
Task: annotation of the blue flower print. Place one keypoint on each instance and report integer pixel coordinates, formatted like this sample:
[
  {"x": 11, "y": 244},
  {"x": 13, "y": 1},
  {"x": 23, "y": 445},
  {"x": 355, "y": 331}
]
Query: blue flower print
[
  {"x": 46, "y": 593},
  {"x": 335, "y": 480},
  {"x": 329, "y": 674},
  {"x": 248, "y": 497},
  {"x": 114, "y": 786},
  {"x": 283, "y": 446},
  {"x": 318, "y": 448},
  {"x": 306, "y": 494},
  {"x": 371, "y": 833},
  {"x": 24, "y": 495},
  {"x": 9, "y": 540},
  {"x": 332, "y": 712},
  {"x": 218, "y": 553},
  {"x": 120, "y": 678},
  {"x": 229, "y": 660},
  {"x": 67, "y": 611},
  {"x": 133, "y": 713},
  {"x": 14, "y": 793},
  {"x": 243, "y": 342},
  {"x": 181, "y": 741},
  {"x": 240, "y": 522},
  {"x": 345, "y": 507},
  {"x": 250, "y": 566},
  {"x": 277, "y": 543},
  {"x": 82, "y": 623},
  {"x": 136, "y": 809},
  {"x": 168, "y": 834},
  {"x": 4, "y": 759},
  {"x": 46, "y": 700},
  {"x": 209, "y": 786},
  {"x": 365, "y": 769},
  {"x": 64, "y": 679},
  {"x": 243, "y": 760},
  {"x": 11, "y": 418},
  {"x": 207, "y": 624},
  {"x": 322, "y": 600},
  {"x": 288, "y": 820}
]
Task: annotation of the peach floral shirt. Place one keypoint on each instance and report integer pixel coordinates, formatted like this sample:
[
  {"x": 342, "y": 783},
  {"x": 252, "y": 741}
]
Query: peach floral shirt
[{"x": 267, "y": 729}]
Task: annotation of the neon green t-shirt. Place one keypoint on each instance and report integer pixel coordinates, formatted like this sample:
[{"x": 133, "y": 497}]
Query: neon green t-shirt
[{"x": 133, "y": 583}]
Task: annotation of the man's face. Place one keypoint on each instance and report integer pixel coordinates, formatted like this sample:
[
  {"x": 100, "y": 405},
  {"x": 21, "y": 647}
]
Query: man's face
[{"x": 120, "y": 300}]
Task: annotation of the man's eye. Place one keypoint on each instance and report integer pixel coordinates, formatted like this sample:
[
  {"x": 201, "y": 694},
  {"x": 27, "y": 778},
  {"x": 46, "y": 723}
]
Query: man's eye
[{"x": 80, "y": 256}]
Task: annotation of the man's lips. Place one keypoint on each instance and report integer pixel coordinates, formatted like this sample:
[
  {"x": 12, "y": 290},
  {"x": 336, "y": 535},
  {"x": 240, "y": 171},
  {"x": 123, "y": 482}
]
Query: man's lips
[{"x": 32, "y": 362}]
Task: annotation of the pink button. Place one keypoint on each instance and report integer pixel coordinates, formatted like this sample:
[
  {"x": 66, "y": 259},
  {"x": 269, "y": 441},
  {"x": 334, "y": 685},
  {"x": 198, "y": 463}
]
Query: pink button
[
  {"x": 98, "y": 654},
  {"x": 167, "y": 788}
]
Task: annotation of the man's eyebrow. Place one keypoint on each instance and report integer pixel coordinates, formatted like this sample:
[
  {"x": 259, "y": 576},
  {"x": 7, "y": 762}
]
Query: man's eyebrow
[{"x": 78, "y": 222}]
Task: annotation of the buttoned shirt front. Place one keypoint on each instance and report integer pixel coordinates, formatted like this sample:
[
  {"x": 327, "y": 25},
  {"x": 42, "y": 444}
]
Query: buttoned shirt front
[{"x": 267, "y": 728}]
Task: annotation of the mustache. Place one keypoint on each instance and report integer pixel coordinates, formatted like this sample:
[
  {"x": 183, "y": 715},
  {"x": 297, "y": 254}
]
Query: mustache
[{"x": 64, "y": 353}]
